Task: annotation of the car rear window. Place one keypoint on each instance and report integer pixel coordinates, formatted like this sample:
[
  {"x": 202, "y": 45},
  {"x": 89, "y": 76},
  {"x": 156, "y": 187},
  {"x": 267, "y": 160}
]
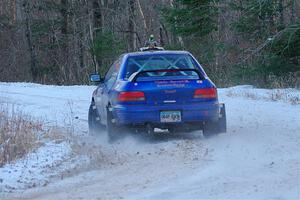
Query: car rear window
[{"x": 152, "y": 62}]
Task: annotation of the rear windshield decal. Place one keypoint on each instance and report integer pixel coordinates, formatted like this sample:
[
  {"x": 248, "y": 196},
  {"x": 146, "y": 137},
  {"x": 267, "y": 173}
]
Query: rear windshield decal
[{"x": 172, "y": 83}]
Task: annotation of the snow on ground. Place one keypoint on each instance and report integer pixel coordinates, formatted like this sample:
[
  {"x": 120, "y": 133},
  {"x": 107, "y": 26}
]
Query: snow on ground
[
  {"x": 289, "y": 95},
  {"x": 257, "y": 159},
  {"x": 30, "y": 171},
  {"x": 57, "y": 105},
  {"x": 54, "y": 156}
]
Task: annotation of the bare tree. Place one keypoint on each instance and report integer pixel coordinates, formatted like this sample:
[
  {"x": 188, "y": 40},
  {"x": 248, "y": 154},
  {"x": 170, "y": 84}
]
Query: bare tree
[
  {"x": 28, "y": 21},
  {"x": 131, "y": 26}
]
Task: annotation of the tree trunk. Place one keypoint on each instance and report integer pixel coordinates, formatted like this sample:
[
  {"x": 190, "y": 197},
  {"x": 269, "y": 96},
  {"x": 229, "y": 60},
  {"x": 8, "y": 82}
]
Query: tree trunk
[
  {"x": 98, "y": 21},
  {"x": 91, "y": 35},
  {"x": 28, "y": 33},
  {"x": 98, "y": 16},
  {"x": 131, "y": 26},
  {"x": 143, "y": 19},
  {"x": 65, "y": 40},
  {"x": 280, "y": 7}
]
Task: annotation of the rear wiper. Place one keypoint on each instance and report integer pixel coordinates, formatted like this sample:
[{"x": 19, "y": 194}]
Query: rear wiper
[{"x": 135, "y": 75}]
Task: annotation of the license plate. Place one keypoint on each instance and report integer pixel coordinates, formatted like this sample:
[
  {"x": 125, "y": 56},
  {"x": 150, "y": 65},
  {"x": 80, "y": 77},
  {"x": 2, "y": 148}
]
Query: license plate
[{"x": 170, "y": 116}]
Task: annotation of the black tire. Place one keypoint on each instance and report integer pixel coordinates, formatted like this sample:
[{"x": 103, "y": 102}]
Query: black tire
[
  {"x": 94, "y": 124},
  {"x": 213, "y": 128}
]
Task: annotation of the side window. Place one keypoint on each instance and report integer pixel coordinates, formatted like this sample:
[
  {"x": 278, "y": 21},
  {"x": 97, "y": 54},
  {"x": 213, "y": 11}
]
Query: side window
[{"x": 111, "y": 75}]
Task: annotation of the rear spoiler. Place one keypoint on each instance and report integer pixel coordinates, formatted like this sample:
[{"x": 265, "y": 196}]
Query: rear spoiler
[{"x": 135, "y": 75}]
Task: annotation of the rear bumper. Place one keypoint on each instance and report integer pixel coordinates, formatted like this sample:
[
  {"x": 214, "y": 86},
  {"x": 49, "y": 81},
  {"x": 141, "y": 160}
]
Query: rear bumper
[{"x": 143, "y": 114}]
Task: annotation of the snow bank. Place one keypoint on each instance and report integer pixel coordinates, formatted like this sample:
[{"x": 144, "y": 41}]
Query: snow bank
[{"x": 289, "y": 95}]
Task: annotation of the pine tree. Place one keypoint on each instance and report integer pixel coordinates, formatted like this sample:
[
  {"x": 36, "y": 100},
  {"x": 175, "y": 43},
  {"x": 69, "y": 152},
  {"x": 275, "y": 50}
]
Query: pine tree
[
  {"x": 193, "y": 17},
  {"x": 274, "y": 44}
]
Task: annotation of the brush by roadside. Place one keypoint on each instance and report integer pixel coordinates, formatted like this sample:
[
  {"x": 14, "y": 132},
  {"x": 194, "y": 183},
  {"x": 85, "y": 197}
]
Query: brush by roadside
[
  {"x": 32, "y": 153},
  {"x": 19, "y": 134}
]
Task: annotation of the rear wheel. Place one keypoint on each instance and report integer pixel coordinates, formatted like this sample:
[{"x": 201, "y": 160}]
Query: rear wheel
[{"x": 214, "y": 128}]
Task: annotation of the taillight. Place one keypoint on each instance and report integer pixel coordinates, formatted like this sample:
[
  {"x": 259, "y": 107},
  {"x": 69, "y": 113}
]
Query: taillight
[
  {"x": 131, "y": 96},
  {"x": 210, "y": 93}
]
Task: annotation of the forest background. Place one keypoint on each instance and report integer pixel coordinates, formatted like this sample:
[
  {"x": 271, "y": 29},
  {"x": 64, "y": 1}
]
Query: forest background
[{"x": 237, "y": 41}]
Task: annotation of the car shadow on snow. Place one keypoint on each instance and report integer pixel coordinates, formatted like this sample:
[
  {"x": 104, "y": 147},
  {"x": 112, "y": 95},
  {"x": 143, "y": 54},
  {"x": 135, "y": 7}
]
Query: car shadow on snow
[{"x": 160, "y": 137}]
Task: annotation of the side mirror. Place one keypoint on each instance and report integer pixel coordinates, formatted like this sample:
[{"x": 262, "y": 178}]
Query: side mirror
[{"x": 95, "y": 78}]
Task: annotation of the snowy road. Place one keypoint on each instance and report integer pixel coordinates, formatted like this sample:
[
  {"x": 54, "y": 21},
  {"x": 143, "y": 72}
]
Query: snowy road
[{"x": 257, "y": 159}]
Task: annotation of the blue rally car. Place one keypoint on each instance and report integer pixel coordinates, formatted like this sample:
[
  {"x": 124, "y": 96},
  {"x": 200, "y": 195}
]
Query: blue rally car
[{"x": 156, "y": 89}]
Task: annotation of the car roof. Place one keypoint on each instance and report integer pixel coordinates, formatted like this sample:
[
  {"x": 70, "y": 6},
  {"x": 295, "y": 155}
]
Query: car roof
[{"x": 142, "y": 53}]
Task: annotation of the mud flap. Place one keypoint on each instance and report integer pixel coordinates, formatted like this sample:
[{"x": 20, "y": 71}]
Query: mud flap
[
  {"x": 94, "y": 120},
  {"x": 213, "y": 128},
  {"x": 111, "y": 128},
  {"x": 222, "y": 119}
]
